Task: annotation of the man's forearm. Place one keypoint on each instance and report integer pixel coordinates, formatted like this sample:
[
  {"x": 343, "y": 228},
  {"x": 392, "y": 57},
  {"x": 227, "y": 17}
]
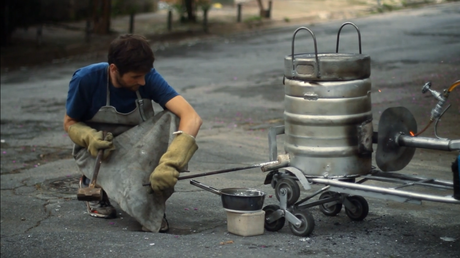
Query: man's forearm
[
  {"x": 68, "y": 121},
  {"x": 190, "y": 121},
  {"x": 190, "y": 125}
]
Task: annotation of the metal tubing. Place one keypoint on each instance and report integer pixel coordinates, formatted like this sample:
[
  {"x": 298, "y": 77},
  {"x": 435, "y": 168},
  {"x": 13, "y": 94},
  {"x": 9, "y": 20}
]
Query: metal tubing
[
  {"x": 298, "y": 204},
  {"x": 437, "y": 121},
  {"x": 352, "y": 188},
  {"x": 317, "y": 203},
  {"x": 274, "y": 216},
  {"x": 428, "y": 143},
  {"x": 226, "y": 170},
  {"x": 272, "y": 146},
  {"x": 223, "y": 171},
  {"x": 283, "y": 161},
  {"x": 318, "y": 73},
  {"x": 292, "y": 219},
  {"x": 283, "y": 198},
  {"x": 338, "y": 36},
  {"x": 426, "y": 182},
  {"x": 402, "y": 178},
  {"x": 287, "y": 214}
]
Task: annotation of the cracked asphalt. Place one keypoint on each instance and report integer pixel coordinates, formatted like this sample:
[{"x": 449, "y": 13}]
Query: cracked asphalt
[{"x": 235, "y": 83}]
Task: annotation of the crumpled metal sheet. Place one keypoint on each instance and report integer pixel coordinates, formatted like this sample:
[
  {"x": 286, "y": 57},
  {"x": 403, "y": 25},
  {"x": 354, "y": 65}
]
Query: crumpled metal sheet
[{"x": 137, "y": 153}]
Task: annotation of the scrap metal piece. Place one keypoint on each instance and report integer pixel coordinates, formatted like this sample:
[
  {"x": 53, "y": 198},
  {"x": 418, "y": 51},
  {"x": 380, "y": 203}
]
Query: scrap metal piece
[{"x": 365, "y": 132}]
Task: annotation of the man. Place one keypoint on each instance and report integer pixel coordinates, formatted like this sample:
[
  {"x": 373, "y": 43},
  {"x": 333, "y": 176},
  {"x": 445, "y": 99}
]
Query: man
[{"x": 116, "y": 97}]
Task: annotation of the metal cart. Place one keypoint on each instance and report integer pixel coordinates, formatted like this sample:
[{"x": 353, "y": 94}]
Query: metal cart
[{"x": 329, "y": 138}]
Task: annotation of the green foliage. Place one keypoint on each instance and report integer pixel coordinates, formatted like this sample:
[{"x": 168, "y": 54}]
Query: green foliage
[
  {"x": 179, "y": 8},
  {"x": 387, "y": 8},
  {"x": 253, "y": 19},
  {"x": 203, "y": 4},
  {"x": 357, "y": 2}
]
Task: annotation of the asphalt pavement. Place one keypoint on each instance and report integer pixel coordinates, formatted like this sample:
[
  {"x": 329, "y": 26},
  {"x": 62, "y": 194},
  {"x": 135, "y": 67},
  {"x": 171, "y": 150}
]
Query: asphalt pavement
[
  {"x": 65, "y": 42},
  {"x": 235, "y": 83}
]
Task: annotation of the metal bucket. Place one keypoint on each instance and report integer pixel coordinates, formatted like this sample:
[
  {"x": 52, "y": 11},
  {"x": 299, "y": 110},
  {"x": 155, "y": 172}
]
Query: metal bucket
[{"x": 328, "y": 113}]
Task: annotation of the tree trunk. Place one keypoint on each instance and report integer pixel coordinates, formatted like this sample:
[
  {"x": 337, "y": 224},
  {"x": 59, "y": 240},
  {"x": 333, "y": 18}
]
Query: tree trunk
[
  {"x": 191, "y": 17},
  {"x": 261, "y": 6},
  {"x": 262, "y": 11},
  {"x": 101, "y": 16}
]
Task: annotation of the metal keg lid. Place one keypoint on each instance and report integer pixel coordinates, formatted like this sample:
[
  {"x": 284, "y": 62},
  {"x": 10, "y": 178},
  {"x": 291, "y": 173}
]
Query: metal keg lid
[
  {"x": 327, "y": 66},
  {"x": 331, "y": 67}
]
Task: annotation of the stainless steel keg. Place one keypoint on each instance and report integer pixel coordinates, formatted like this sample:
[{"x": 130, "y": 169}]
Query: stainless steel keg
[{"x": 328, "y": 112}]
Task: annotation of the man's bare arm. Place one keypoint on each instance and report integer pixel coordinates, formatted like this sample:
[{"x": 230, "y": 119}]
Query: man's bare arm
[
  {"x": 190, "y": 121},
  {"x": 68, "y": 121}
]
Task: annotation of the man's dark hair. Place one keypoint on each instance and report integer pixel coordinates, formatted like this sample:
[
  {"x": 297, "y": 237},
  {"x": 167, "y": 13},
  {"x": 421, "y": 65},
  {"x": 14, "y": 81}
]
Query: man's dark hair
[{"x": 131, "y": 53}]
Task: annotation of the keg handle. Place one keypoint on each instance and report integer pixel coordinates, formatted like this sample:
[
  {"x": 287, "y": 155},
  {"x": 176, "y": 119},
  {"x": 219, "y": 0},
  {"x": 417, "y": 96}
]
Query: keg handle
[
  {"x": 338, "y": 35},
  {"x": 318, "y": 74}
]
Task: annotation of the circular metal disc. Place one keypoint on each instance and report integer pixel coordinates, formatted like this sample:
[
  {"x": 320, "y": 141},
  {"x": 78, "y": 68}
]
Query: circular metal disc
[{"x": 390, "y": 156}]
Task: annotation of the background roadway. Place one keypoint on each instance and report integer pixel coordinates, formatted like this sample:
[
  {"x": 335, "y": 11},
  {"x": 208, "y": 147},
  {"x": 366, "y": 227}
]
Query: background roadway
[{"x": 235, "y": 84}]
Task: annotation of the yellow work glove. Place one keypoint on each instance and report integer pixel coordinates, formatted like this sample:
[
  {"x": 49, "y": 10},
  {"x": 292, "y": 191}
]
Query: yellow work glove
[
  {"x": 175, "y": 159},
  {"x": 92, "y": 140}
]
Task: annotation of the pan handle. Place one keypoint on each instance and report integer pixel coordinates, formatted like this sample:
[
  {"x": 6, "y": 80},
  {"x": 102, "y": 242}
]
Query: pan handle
[{"x": 205, "y": 187}]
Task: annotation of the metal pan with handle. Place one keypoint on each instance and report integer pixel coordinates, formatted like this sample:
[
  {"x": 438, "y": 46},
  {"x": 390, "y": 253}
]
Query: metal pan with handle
[{"x": 236, "y": 199}]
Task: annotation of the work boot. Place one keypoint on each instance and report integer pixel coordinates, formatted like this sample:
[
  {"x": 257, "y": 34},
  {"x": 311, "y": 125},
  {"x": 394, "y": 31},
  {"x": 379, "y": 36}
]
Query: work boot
[{"x": 99, "y": 209}]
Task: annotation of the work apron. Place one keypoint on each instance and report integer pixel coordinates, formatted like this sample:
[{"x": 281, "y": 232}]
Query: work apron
[{"x": 141, "y": 138}]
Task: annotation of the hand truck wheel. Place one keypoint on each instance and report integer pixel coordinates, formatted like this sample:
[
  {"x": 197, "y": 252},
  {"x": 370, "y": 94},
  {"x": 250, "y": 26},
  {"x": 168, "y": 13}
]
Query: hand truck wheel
[
  {"x": 361, "y": 208},
  {"x": 274, "y": 225},
  {"x": 293, "y": 190},
  {"x": 331, "y": 208},
  {"x": 307, "y": 225}
]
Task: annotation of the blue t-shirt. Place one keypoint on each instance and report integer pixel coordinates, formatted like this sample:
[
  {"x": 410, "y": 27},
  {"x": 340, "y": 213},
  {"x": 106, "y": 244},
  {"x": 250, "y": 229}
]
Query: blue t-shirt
[{"x": 88, "y": 92}]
